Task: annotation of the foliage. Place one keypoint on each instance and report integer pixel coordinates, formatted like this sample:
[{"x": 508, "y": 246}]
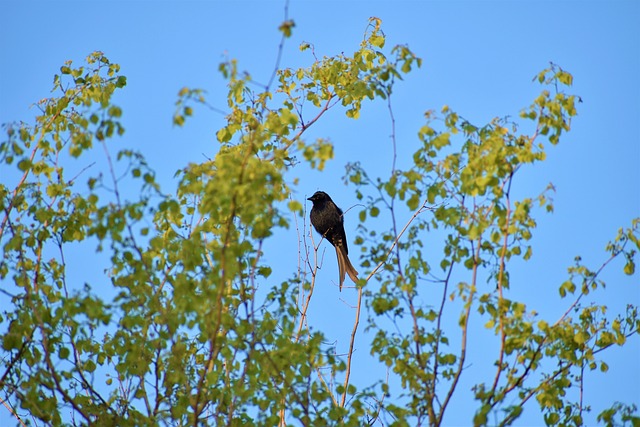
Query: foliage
[{"x": 181, "y": 331}]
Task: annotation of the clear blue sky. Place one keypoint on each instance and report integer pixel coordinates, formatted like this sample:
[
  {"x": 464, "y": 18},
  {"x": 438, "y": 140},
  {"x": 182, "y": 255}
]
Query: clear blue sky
[{"x": 479, "y": 58}]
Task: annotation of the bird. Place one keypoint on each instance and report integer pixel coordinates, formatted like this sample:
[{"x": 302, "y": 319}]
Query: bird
[{"x": 328, "y": 220}]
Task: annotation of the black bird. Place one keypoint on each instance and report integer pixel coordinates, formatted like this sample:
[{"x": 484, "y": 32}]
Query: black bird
[{"x": 328, "y": 220}]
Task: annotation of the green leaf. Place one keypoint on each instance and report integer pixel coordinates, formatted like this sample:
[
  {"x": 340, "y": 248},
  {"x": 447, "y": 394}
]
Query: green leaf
[
  {"x": 581, "y": 337},
  {"x": 377, "y": 41},
  {"x": 413, "y": 202},
  {"x": 24, "y": 165},
  {"x": 63, "y": 353},
  {"x": 121, "y": 81},
  {"x": 565, "y": 78},
  {"x": 295, "y": 206},
  {"x": 178, "y": 120},
  {"x": 629, "y": 267},
  {"x": 286, "y": 28}
]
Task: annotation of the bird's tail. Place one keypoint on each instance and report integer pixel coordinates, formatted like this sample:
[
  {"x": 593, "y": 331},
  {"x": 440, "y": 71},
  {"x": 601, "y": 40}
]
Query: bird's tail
[{"x": 345, "y": 267}]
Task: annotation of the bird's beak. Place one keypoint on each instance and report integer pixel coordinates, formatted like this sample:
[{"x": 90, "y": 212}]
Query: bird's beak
[{"x": 310, "y": 198}]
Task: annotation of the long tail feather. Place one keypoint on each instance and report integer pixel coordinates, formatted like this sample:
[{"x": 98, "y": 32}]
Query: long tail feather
[{"x": 345, "y": 267}]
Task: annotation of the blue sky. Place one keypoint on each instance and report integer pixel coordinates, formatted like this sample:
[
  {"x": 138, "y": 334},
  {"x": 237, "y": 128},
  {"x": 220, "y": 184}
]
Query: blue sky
[{"x": 479, "y": 58}]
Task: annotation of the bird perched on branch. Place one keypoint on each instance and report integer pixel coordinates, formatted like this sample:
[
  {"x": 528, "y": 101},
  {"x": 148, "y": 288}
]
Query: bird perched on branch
[{"x": 328, "y": 220}]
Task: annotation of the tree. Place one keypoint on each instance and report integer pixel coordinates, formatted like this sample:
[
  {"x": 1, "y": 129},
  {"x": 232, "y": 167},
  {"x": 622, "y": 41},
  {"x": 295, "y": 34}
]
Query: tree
[{"x": 186, "y": 333}]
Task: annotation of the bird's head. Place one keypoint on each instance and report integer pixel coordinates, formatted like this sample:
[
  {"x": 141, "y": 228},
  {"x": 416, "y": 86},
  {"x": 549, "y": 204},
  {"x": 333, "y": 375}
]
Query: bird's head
[{"x": 319, "y": 197}]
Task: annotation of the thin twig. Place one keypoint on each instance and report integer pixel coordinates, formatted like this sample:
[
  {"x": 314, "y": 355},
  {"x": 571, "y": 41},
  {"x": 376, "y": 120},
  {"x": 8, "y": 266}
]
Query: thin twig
[
  {"x": 12, "y": 412},
  {"x": 421, "y": 209},
  {"x": 276, "y": 67},
  {"x": 351, "y": 344},
  {"x": 465, "y": 329},
  {"x": 305, "y": 305},
  {"x": 501, "y": 315}
]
